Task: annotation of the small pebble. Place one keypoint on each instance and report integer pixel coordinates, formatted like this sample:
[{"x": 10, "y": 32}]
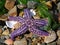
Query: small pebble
[
  {"x": 13, "y": 11},
  {"x": 9, "y": 4},
  {"x": 18, "y": 38},
  {"x": 17, "y": 25},
  {"x": 2, "y": 37},
  {"x": 3, "y": 17},
  {"x": 0, "y": 30},
  {"x": 48, "y": 3},
  {"x": 58, "y": 6},
  {"x": 1, "y": 40},
  {"x": 8, "y": 42},
  {"x": 58, "y": 34},
  {"x": 52, "y": 43},
  {"x": 58, "y": 17},
  {"x": 6, "y": 32},
  {"x": 32, "y": 12},
  {"x": 34, "y": 36},
  {"x": 31, "y": 4},
  {"x": 21, "y": 42},
  {"x": 21, "y": 14},
  {"x": 21, "y": 6},
  {"x": 36, "y": 17},
  {"x": 28, "y": 35},
  {"x": 38, "y": 44},
  {"x": 58, "y": 42},
  {"x": 43, "y": 44},
  {"x": 51, "y": 37},
  {"x": 34, "y": 41},
  {"x": 29, "y": 41}
]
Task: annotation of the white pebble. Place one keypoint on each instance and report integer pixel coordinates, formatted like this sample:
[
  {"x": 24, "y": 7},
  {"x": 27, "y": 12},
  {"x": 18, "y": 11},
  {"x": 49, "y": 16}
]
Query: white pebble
[
  {"x": 51, "y": 37},
  {"x": 32, "y": 12}
]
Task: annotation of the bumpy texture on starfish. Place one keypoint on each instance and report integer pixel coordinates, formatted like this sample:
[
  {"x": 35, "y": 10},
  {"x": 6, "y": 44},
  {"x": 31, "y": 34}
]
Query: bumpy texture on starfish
[{"x": 29, "y": 23}]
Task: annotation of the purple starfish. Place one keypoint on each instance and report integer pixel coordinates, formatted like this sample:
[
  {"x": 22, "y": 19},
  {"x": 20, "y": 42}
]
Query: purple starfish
[{"x": 28, "y": 23}]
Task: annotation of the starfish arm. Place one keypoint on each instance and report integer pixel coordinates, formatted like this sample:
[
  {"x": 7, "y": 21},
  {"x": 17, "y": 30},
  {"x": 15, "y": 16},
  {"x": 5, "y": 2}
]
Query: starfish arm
[
  {"x": 19, "y": 19},
  {"x": 40, "y": 22},
  {"x": 38, "y": 32},
  {"x": 27, "y": 14},
  {"x": 19, "y": 31}
]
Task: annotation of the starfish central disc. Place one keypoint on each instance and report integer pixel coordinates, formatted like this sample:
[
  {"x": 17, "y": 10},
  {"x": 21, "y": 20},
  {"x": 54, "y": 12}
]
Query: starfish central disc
[{"x": 29, "y": 23}]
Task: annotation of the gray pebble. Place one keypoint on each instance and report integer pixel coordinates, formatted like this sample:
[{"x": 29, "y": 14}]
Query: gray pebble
[
  {"x": 4, "y": 37},
  {"x": 21, "y": 6},
  {"x": 2, "y": 40},
  {"x": 53, "y": 43},
  {"x": 43, "y": 44},
  {"x": 58, "y": 42},
  {"x": 31, "y": 4}
]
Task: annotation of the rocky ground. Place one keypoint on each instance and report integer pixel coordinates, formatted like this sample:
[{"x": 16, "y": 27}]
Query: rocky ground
[{"x": 30, "y": 38}]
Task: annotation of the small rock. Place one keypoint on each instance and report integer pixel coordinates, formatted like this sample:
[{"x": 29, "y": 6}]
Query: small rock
[
  {"x": 58, "y": 34},
  {"x": 34, "y": 41},
  {"x": 52, "y": 43},
  {"x": 7, "y": 37},
  {"x": 1, "y": 40},
  {"x": 58, "y": 17},
  {"x": 36, "y": 17},
  {"x": 18, "y": 38},
  {"x": 54, "y": 0},
  {"x": 58, "y": 6},
  {"x": 38, "y": 44},
  {"x": 37, "y": 41},
  {"x": 4, "y": 28},
  {"x": 17, "y": 25},
  {"x": 31, "y": 4},
  {"x": 48, "y": 3},
  {"x": 29, "y": 41},
  {"x": 0, "y": 31},
  {"x": 41, "y": 40},
  {"x": 12, "y": 30},
  {"x": 58, "y": 42},
  {"x": 2, "y": 37},
  {"x": 43, "y": 44},
  {"x": 28, "y": 35},
  {"x": 33, "y": 12},
  {"x": 34, "y": 36},
  {"x": 3, "y": 17},
  {"x": 21, "y": 42},
  {"x": 13, "y": 11},
  {"x": 51, "y": 37},
  {"x": 8, "y": 42},
  {"x": 6, "y": 32},
  {"x": 9, "y": 4},
  {"x": 21, "y": 14},
  {"x": 21, "y": 6}
]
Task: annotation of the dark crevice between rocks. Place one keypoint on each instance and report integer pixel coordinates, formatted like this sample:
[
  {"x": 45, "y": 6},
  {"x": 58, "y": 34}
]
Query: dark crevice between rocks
[{"x": 2, "y": 23}]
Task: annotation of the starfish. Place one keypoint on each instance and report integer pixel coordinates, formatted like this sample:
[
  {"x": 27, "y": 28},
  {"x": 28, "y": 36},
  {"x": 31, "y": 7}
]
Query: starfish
[{"x": 28, "y": 23}]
